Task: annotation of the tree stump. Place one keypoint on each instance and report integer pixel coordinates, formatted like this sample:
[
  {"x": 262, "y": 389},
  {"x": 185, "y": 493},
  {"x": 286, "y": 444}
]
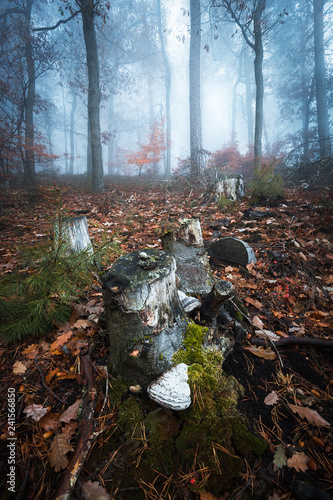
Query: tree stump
[
  {"x": 193, "y": 269},
  {"x": 145, "y": 319},
  {"x": 75, "y": 230}
]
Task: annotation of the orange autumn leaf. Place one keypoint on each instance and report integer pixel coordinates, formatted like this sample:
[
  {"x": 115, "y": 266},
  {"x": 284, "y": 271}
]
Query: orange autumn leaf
[{"x": 61, "y": 340}]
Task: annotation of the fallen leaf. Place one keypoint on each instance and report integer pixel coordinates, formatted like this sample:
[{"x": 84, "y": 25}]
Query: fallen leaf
[
  {"x": 59, "y": 448},
  {"x": 82, "y": 323},
  {"x": 69, "y": 429},
  {"x": 257, "y": 322},
  {"x": 299, "y": 462},
  {"x": 204, "y": 495},
  {"x": 60, "y": 341},
  {"x": 311, "y": 416},
  {"x": 274, "y": 497},
  {"x": 19, "y": 368},
  {"x": 254, "y": 302},
  {"x": 263, "y": 334},
  {"x": 71, "y": 412},
  {"x": 36, "y": 412},
  {"x": 230, "y": 269},
  {"x": 262, "y": 353},
  {"x": 50, "y": 375},
  {"x": 50, "y": 421},
  {"x": 94, "y": 491},
  {"x": 30, "y": 349},
  {"x": 271, "y": 398},
  {"x": 280, "y": 458}
]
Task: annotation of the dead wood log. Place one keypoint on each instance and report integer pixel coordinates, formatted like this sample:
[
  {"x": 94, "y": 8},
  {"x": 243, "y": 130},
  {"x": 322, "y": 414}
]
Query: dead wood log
[
  {"x": 221, "y": 291},
  {"x": 86, "y": 437},
  {"x": 293, "y": 340},
  {"x": 186, "y": 245}
]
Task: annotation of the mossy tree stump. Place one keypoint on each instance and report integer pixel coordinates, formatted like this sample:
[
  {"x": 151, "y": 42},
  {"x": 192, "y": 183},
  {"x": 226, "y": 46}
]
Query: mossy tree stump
[{"x": 145, "y": 319}]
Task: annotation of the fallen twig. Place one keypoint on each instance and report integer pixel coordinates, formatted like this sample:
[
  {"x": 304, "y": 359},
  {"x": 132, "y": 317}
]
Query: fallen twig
[{"x": 85, "y": 440}]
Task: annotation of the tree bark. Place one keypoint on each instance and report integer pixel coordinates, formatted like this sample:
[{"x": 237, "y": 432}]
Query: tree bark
[
  {"x": 249, "y": 111},
  {"x": 258, "y": 61},
  {"x": 195, "y": 98},
  {"x": 65, "y": 127},
  {"x": 71, "y": 132},
  {"x": 167, "y": 78},
  {"x": 320, "y": 75},
  {"x": 29, "y": 160},
  {"x": 94, "y": 136}
]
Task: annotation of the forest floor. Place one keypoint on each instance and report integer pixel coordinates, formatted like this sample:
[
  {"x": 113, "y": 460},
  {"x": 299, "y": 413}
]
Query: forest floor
[{"x": 288, "y": 293}]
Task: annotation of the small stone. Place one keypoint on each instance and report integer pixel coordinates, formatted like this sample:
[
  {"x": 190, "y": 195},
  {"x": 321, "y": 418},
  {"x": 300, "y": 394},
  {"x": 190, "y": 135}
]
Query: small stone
[
  {"x": 171, "y": 389},
  {"x": 135, "y": 389}
]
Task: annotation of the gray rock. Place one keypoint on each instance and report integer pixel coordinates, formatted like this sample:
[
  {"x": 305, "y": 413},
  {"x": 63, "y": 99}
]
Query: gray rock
[
  {"x": 232, "y": 250},
  {"x": 171, "y": 389}
]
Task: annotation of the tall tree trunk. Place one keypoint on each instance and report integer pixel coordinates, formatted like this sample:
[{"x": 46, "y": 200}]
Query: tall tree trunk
[
  {"x": 249, "y": 112},
  {"x": 167, "y": 168},
  {"x": 195, "y": 98},
  {"x": 71, "y": 132},
  {"x": 234, "y": 99},
  {"x": 258, "y": 61},
  {"x": 29, "y": 161},
  {"x": 65, "y": 127},
  {"x": 111, "y": 142},
  {"x": 94, "y": 136},
  {"x": 320, "y": 75}
]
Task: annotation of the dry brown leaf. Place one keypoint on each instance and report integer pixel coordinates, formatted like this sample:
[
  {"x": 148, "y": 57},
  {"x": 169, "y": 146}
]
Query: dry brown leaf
[
  {"x": 82, "y": 323},
  {"x": 69, "y": 429},
  {"x": 50, "y": 375},
  {"x": 94, "y": 491},
  {"x": 36, "y": 412},
  {"x": 311, "y": 416},
  {"x": 60, "y": 341},
  {"x": 257, "y": 322},
  {"x": 254, "y": 302},
  {"x": 71, "y": 412},
  {"x": 230, "y": 269},
  {"x": 263, "y": 334},
  {"x": 59, "y": 448},
  {"x": 19, "y": 368},
  {"x": 50, "y": 422},
  {"x": 299, "y": 462},
  {"x": 271, "y": 398},
  {"x": 29, "y": 350},
  {"x": 262, "y": 353},
  {"x": 274, "y": 497}
]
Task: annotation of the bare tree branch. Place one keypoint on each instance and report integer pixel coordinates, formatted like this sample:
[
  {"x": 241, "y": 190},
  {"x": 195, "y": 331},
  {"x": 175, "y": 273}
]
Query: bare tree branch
[{"x": 62, "y": 21}]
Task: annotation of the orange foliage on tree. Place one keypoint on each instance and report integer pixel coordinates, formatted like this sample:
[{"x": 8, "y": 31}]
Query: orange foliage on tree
[{"x": 151, "y": 151}]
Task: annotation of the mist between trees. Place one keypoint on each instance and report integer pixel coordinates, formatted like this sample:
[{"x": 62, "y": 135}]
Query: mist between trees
[{"x": 162, "y": 87}]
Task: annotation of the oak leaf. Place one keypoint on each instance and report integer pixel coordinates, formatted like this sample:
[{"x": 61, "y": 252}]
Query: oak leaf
[
  {"x": 50, "y": 422},
  {"x": 31, "y": 349},
  {"x": 36, "y": 412},
  {"x": 19, "y": 368},
  {"x": 50, "y": 375},
  {"x": 311, "y": 416},
  {"x": 262, "y": 353},
  {"x": 280, "y": 458},
  {"x": 299, "y": 462},
  {"x": 263, "y": 334},
  {"x": 94, "y": 491},
  {"x": 60, "y": 341},
  {"x": 69, "y": 429},
  {"x": 71, "y": 412},
  {"x": 204, "y": 495},
  {"x": 271, "y": 398},
  {"x": 59, "y": 448}
]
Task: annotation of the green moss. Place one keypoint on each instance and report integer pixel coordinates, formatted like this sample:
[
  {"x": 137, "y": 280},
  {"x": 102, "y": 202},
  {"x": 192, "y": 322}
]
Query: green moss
[
  {"x": 118, "y": 389},
  {"x": 245, "y": 442},
  {"x": 130, "y": 414}
]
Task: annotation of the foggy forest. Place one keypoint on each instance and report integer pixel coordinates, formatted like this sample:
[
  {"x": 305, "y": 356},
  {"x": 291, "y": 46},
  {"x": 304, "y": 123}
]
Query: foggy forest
[
  {"x": 146, "y": 87},
  {"x": 166, "y": 259}
]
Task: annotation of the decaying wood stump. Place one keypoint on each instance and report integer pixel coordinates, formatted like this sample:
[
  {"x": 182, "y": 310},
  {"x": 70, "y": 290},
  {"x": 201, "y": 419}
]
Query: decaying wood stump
[
  {"x": 75, "y": 230},
  {"x": 145, "y": 319},
  {"x": 186, "y": 245}
]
